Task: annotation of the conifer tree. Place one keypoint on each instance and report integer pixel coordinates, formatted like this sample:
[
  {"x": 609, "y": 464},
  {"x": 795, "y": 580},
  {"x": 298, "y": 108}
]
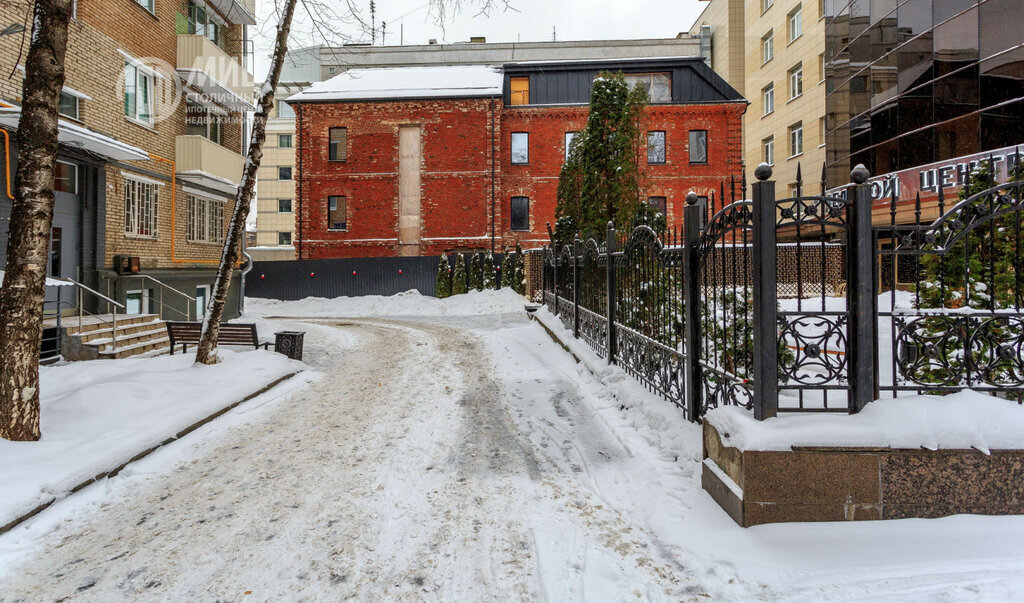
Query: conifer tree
[
  {"x": 519, "y": 280},
  {"x": 489, "y": 277},
  {"x": 601, "y": 181},
  {"x": 444, "y": 278},
  {"x": 508, "y": 269},
  {"x": 476, "y": 272},
  {"x": 459, "y": 275}
]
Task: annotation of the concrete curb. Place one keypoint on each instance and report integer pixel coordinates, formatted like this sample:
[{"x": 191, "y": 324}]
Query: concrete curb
[{"x": 107, "y": 474}]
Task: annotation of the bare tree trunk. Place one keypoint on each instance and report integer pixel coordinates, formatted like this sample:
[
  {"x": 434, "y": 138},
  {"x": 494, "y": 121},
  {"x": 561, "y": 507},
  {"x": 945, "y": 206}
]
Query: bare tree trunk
[
  {"x": 24, "y": 285},
  {"x": 205, "y": 351}
]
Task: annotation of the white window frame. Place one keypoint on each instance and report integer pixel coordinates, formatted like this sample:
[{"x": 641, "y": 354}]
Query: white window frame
[
  {"x": 796, "y": 139},
  {"x": 141, "y": 207},
  {"x": 205, "y": 219},
  {"x": 766, "y": 4},
  {"x": 149, "y": 5},
  {"x": 768, "y": 150},
  {"x": 142, "y": 111},
  {"x": 568, "y": 142},
  {"x": 796, "y": 81},
  {"x": 795, "y": 23},
  {"x": 523, "y": 139},
  {"x": 768, "y": 99},
  {"x": 768, "y": 46}
]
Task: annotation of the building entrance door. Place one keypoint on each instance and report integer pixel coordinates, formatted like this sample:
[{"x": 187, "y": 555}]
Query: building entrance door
[{"x": 409, "y": 190}]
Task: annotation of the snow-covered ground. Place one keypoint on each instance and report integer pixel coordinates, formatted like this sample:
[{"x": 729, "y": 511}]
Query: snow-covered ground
[
  {"x": 460, "y": 454},
  {"x": 95, "y": 416}
]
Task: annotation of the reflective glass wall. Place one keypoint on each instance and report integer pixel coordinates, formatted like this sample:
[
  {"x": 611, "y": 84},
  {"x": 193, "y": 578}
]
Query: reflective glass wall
[{"x": 909, "y": 82}]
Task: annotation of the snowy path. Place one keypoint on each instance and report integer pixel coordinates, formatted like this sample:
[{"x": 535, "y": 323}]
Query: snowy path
[
  {"x": 466, "y": 458},
  {"x": 399, "y": 473}
]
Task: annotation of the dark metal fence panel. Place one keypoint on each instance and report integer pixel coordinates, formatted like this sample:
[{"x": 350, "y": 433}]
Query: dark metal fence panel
[
  {"x": 297, "y": 279},
  {"x": 955, "y": 288}
]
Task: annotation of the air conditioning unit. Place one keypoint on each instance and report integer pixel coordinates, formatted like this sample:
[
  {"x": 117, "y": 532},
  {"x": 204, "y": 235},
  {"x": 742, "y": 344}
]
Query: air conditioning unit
[{"x": 127, "y": 264}]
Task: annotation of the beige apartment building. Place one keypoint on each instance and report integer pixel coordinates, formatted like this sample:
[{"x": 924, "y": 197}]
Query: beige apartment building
[
  {"x": 153, "y": 119},
  {"x": 276, "y": 190},
  {"x": 773, "y": 52}
]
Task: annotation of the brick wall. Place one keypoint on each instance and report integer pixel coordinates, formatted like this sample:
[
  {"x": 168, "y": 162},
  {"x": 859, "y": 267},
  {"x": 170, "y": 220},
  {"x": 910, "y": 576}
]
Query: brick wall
[
  {"x": 456, "y": 171},
  {"x": 455, "y": 176},
  {"x": 94, "y": 66}
]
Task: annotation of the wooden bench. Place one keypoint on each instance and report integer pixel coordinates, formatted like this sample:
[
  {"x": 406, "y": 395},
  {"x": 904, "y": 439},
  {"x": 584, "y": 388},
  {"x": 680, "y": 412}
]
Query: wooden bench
[{"x": 231, "y": 333}]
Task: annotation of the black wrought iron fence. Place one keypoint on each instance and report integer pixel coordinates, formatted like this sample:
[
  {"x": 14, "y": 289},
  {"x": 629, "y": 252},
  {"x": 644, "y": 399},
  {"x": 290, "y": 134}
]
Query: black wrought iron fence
[
  {"x": 772, "y": 304},
  {"x": 955, "y": 288}
]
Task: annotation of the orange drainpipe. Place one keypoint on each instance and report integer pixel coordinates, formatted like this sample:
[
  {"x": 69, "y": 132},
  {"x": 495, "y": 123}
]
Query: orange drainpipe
[
  {"x": 7, "y": 155},
  {"x": 174, "y": 213}
]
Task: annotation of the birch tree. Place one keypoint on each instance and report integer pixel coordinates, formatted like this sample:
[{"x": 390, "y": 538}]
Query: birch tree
[
  {"x": 24, "y": 284},
  {"x": 320, "y": 14}
]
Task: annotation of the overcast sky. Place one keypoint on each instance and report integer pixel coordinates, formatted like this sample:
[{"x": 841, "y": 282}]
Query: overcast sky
[{"x": 415, "y": 22}]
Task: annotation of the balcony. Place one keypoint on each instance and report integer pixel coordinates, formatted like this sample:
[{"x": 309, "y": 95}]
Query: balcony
[
  {"x": 200, "y": 160},
  {"x": 214, "y": 73},
  {"x": 239, "y": 12}
]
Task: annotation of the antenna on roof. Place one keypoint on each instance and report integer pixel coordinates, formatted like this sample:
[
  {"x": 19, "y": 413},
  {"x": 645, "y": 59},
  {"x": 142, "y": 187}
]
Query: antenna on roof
[{"x": 554, "y": 35}]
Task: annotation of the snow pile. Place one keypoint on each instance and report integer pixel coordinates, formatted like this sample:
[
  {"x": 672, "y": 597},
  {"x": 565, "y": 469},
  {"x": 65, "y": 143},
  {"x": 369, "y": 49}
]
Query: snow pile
[
  {"x": 97, "y": 415},
  {"x": 409, "y": 303},
  {"x": 435, "y": 81},
  {"x": 958, "y": 421}
]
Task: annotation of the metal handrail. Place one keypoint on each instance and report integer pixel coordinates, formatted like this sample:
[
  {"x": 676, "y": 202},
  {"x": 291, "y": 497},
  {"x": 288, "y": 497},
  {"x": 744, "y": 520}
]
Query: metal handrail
[
  {"x": 187, "y": 314},
  {"x": 113, "y": 315},
  {"x": 90, "y": 290}
]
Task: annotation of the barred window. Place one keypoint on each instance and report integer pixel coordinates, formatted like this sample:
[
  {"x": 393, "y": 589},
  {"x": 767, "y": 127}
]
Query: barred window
[
  {"x": 140, "y": 208},
  {"x": 205, "y": 219}
]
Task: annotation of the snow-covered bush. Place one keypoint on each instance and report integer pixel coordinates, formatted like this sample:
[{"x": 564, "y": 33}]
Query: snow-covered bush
[
  {"x": 459, "y": 275},
  {"x": 444, "y": 278}
]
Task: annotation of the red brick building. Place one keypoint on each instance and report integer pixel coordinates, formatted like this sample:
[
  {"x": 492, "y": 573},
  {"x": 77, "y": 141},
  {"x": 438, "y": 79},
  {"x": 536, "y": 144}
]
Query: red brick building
[{"x": 420, "y": 160}]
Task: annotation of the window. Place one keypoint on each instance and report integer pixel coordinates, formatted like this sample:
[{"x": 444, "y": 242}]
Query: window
[
  {"x": 766, "y": 4},
  {"x": 138, "y": 92},
  {"x": 202, "y": 22},
  {"x": 768, "y": 144},
  {"x": 337, "y": 217},
  {"x": 821, "y": 131},
  {"x": 140, "y": 208},
  {"x": 284, "y": 141},
  {"x": 337, "y": 144},
  {"x": 285, "y": 110},
  {"x": 146, "y": 4},
  {"x": 768, "y": 98},
  {"x": 796, "y": 81},
  {"x": 520, "y": 217},
  {"x": 796, "y": 24},
  {"x": 656, "y": 147},
  {"x": 569, "y": 136},
  {"x": 205, "y": 219},
  {"x": 519, "y": 91},
  {"x": 65, "y": 177},
  {"x": 284, "y": 173},
  {"x": 520, "y": 148},
  {"x": 796, "y": 139},
  {"x": 698, "y": 146},
  {"x": 767, "y": 47},
  {"x": 284, "y": 238},
  {"x": 68, "y": 105},
  {"x": 658, "y": 204},
  {"x": 199, "y": 121},
  {"x": 284, "y": 206},
  {"x": 657, "y": 85},
  {"x": 53, "y": 266},
  {"x": 821, "y": 67}
]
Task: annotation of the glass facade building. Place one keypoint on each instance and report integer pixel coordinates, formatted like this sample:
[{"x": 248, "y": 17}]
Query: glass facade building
[{"x": 910, "y": 82}]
